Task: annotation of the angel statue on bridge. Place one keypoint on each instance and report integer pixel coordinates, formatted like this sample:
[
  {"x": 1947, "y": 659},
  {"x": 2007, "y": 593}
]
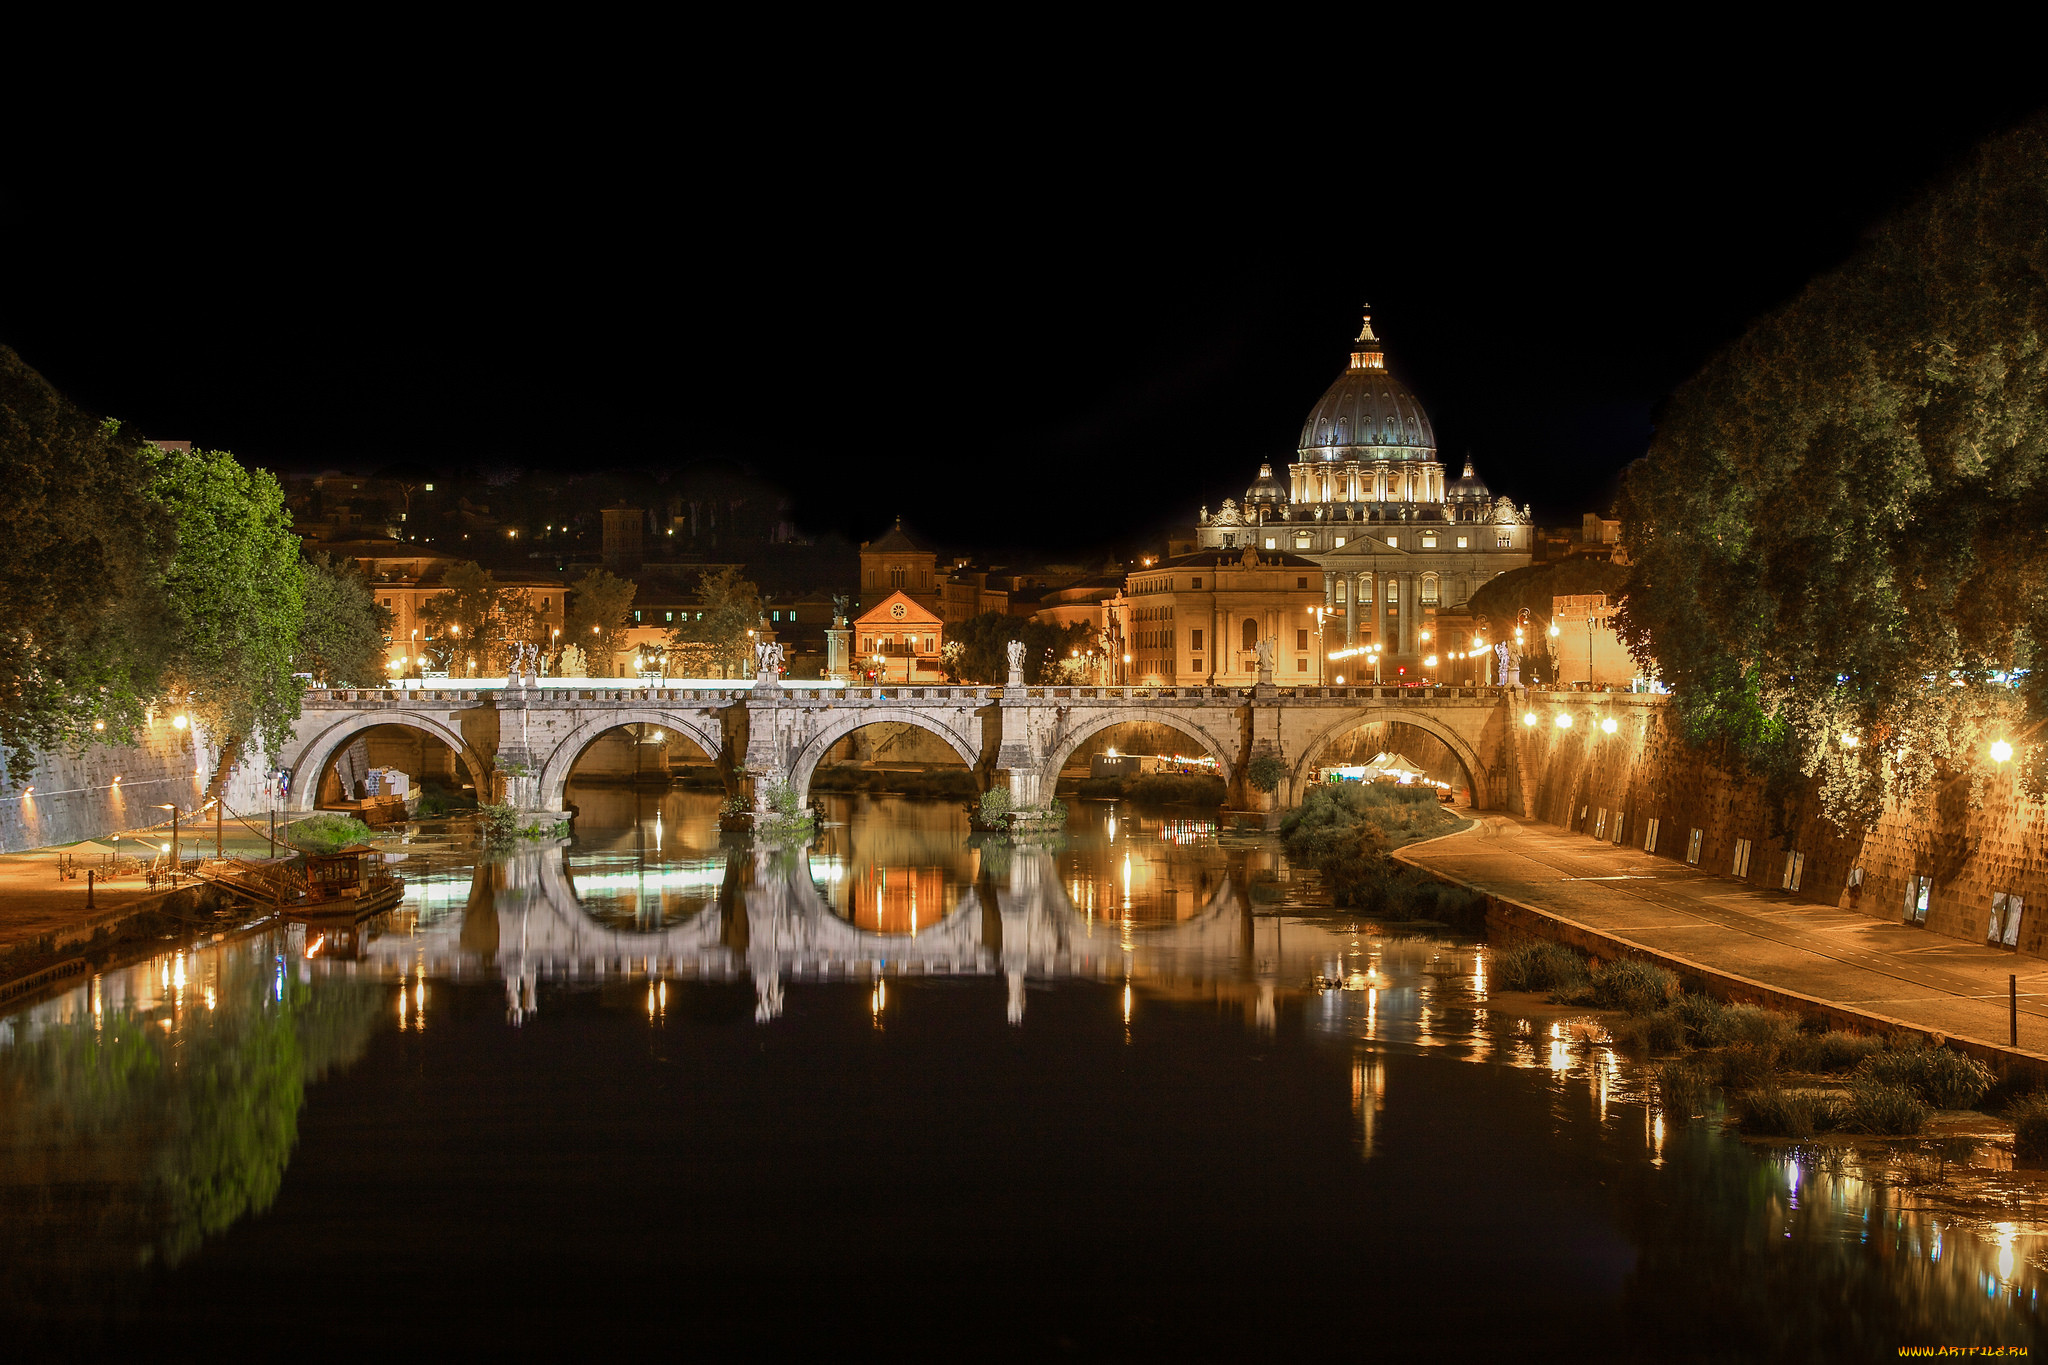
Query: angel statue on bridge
[
  {"x": 768, "y": 658},
  {"x": 1264, "y": 649},
  {"x": 1015, "y": 649}
]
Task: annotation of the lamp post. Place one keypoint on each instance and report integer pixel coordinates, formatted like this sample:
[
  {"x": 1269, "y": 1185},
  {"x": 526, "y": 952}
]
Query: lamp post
[
  {"x": 1589, "y": 651},
  {"x": 1320, "y": 657},
  {"x": 174, "y": 840}
]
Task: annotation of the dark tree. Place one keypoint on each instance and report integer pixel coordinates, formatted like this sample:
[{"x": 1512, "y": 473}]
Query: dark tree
[{"x": 1839, "y": 557}]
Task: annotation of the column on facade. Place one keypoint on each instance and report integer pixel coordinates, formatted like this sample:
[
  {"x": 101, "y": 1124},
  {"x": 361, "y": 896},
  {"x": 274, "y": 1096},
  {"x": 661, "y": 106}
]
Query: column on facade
[
  {"x": 1351, "y": 610},
  {"x": 1411, "y": 588}
]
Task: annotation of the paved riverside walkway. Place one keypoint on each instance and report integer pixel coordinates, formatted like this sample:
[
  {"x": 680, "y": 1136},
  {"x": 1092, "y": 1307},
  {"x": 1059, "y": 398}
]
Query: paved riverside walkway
[
  {"x": 33, "y": 902},
  {"x": 1846, "y": 957}
]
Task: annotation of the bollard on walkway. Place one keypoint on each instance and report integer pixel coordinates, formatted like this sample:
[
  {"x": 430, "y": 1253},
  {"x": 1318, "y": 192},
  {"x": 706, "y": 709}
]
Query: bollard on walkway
[{"x": 88, "y": 888}]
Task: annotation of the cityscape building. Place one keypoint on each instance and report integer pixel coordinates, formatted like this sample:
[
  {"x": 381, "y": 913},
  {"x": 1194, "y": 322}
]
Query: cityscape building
[{"x": 1366, "y": 502}]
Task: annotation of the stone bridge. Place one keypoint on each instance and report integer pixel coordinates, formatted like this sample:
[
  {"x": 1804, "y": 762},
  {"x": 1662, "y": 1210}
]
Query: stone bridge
[{"x": 521, "y": 744}]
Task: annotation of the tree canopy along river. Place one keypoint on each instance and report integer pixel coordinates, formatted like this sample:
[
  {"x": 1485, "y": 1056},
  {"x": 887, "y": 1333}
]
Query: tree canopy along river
[{"x": 1132, "y": 1091}]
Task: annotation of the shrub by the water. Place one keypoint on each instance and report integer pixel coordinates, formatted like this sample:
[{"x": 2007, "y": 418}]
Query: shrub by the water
[
  {"x": 1662, "y": 1031},
  {"x": 1540, "y": 966},
  {"x": 328, "y": 831},
  {"x": 1832, "y": 1051},
  {"x": 1685, "y": 1086},
  {"x": 2029, "y": 1117},
  {"x": 1705, "y": 1019},
  {"x": 1745, "y": 1065},
  {"x": 1890, "y": 1110},
  {"x": 1771, "y": 1111},
  {"x": 1942, "y": 1078},
  {"x": 1758, "y": 1027},
  {"x": 1638, "y": 987}
]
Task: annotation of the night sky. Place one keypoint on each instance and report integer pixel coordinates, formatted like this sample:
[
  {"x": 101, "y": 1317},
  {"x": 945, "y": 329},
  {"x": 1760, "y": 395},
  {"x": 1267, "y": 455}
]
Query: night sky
[{"x": 1018, "y": 330}]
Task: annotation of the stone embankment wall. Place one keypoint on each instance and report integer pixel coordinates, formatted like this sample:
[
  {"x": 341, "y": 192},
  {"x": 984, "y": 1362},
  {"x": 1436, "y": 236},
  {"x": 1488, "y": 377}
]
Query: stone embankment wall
[
  {"x": 69, "y": 797},
  {"x": 1971, "y": 844}
]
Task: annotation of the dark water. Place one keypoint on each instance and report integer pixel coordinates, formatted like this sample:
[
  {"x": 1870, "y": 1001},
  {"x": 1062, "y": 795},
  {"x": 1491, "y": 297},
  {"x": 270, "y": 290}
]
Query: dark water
[{"x": 908, "y": 1094}]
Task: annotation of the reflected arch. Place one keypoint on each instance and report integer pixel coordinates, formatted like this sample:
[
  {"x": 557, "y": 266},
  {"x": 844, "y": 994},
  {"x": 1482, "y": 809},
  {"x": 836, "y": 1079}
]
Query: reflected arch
[
  {"x": 554, "y": 774},
  {"x": 1461, "y": 750},
  {"x": 1217, "y": 748},
  {"x": 803, "y": 764},
  {"x": 322, "y": 749}
]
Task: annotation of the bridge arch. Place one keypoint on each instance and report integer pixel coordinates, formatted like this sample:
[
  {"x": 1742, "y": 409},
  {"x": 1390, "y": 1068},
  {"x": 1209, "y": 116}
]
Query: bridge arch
[
  {"x": 561, "y": 761},
  {"x": 318, "y": 751},
  {"x": 1064, "y": 746},
  {"x": 803, "y": 764},
  {"x": 1461, "y": 749}
]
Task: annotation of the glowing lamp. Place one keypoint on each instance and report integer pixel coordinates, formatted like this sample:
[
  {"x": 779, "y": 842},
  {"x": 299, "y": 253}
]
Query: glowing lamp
[
  {"x": 1529, "y": 718},
  {"x": 1850, "y": 741},
  {"x": 179, "y": 721},
  {"x": 1564, "y": 722},
  {"x": 2000, "y": 751},
  {"x": 1608, "y": 725}
]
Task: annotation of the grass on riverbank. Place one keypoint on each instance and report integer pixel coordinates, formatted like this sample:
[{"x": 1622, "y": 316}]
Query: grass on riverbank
[
  {"x": 1786, "y": 1076},
  {"x": 1346, "y": 832}
]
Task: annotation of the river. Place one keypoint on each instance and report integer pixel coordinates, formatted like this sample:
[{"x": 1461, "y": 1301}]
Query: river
[{"x": 909, "y": 1090}]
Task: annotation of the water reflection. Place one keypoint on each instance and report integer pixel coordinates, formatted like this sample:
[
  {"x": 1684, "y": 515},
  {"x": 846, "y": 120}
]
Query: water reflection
[{"x": 157, "y": 1105}]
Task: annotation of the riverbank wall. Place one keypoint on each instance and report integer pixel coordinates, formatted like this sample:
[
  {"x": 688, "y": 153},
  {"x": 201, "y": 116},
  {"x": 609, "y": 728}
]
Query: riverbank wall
[
  {"x": 1644, "y": 786},
  {"x": 106, "y": 788}
]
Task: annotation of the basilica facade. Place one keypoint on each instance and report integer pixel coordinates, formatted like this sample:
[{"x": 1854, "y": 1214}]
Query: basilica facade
[{"x": 1366, "y": 501}]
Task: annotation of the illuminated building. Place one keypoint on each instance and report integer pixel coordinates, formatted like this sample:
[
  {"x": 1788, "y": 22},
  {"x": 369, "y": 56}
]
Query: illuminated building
[{"x": 1367, "y": 502}]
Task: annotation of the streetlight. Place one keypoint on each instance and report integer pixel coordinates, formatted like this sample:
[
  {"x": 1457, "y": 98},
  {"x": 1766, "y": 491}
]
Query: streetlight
[
  {"x": 174, "y": 840},
  {"x": 1564, "y": 720},
  {"x": 1609, "y": 726},
  {"x": 1529, "y": 719},
  {"x": 2000, "y": 751}
]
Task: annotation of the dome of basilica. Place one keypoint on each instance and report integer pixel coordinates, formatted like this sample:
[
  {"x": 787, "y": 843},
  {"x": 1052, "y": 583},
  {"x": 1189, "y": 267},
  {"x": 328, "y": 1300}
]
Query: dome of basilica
[
  {"x": 1267, "y": 489},
  {"x": 1367, "y": 414},
  {"x": 1468, "y": 488}
]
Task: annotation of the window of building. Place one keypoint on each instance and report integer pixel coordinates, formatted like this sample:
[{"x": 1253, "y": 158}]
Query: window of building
[
  {"x": 1195, "y": 664},
  {"x": 1795, "y": 868},
  {"x": 1303, "y": 540},
  {"x": 2005, "y": 920},
  {"x": 1195, "y": 641},
  {"x": 1301, "y": 639},
  {"x": 1919, "y": 892},
  {"x": 1250, "y": 633},
  {"x": 1650, "y": 836},
  {"x": 668, "y": 616},
  {"x": 1503, "y": 542},
  {"x": 929, "y": 648},
  {"x": 1198, "y": 588},
  {"x": 1429, "y": 542},
  {"x": 1463, "y": 542},
  {"x": 1740, "y": 867},
  {"x": 1271, "y": 543},
  {"x": 1692, "y": 849},
  {"x": 1342, "y": 586},
  {"x": 387, "y": 601},
  {"x": 1429, "y": 587},
  {"x": 1301, "y": 665},
  {"x": 1393, "y": 542},
  {"x": 1340, "y": 542},
  {"x": 636, "y": 618},
  {"x": 430, "y": 488},
  {"x": 896, "y": 576}
]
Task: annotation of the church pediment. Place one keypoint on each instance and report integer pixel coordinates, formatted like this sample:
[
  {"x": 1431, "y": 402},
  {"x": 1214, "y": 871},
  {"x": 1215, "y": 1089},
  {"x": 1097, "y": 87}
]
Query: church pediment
[{"x": 897, "y": 610}]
